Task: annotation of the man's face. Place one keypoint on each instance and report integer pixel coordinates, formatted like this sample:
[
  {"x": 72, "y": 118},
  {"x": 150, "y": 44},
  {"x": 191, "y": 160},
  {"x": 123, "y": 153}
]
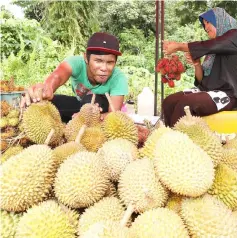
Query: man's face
[
  {"x": 210, "y": 29},
  {"x": 100, "y": 67}
]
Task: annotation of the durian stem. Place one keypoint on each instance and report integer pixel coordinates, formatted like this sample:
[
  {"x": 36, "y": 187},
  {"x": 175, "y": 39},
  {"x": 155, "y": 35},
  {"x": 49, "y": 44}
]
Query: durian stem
[
  {"x": 49, "y": 136},
  {"x": 80, "y": 134},
  {"x": 110, "y": 102},
  {"x": 188, "y": 113},
  {"x": 93, "y": 99},
  {"x": 127, "y": 215}
]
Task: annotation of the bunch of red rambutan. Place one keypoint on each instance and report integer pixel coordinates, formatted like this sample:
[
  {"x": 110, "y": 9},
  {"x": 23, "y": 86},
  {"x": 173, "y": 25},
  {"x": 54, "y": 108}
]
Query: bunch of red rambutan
[{"x": 170, "y": 69}]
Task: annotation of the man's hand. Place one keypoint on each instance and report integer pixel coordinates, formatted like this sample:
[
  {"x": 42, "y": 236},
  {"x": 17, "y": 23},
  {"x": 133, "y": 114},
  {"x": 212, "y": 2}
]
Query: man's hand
[
  {"x": 191, "y": 61},
  {"x": 36, "y": 93}
]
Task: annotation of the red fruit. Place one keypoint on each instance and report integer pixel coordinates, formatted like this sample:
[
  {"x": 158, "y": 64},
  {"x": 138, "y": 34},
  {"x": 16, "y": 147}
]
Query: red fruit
[
  {"x": 164, "y": 79},
  {"x": 171, "y": 83},
  {"x": 175, "y": 57},
  {"x": 174, "y": 68},
  {"x": 167, "y": 69},
  {"x": 180, "y": 68},
  {"x": 178, "y": 77},
  {"x": 171, "y": 76}
]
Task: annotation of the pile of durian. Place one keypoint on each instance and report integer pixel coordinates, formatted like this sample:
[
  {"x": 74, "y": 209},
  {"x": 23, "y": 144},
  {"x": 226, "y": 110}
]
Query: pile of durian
[{"x": 89, "y": 179}]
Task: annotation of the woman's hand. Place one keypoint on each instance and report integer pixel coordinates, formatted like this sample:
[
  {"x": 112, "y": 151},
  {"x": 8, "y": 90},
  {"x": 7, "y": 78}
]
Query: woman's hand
[
  {"x": 170, "y": 47},
  {"x": 191, "y": 61}
]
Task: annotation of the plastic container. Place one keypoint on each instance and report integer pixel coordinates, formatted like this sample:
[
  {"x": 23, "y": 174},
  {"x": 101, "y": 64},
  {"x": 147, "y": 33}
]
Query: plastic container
[
  {"x": 130, "y": 107},
  {"x": 145, "y": 102},
  {"x": 13, "y": 98}
]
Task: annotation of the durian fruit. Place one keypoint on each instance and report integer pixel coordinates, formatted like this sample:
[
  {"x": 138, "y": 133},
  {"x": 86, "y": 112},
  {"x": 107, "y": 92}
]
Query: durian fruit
[
  {"x": 140, "y": 189},
  {"x": 4, "y": 145},
  {"x": 8, "y": 224},
  {"x": 13, "y": 150},
  {"x": 107, "y": 209},
  {"x": 159, "y": 222},
  {"x": 106, "y": 229},
  {"x": 3, "y": 122},
  {"x": 26, "y": 178},
  {"x": 47, "y": 220},
  {"x": 119, "y": 125},
  {"x": 189, "y": 120},
  {"x": 90, "y": 113},
  {"x": 230, "y": 158},
  {"x": 73, "y": 126},
  {"x": 117, "y": 153},
  {"x": 14, "y": 113},
  {"x": 38, "y": 120},
  {"x": 93, "y": 138},
  {"x": 207, "y": 216},
  {"x": 13, "y": 121},
  {"x": 225, "y": 185},
  {"x": 5, "y": 108},
  {"x": 63, "y": 151},
  {"x": 183, "y": 166},
  {"x": 8, "y": 133},
  {"x": 231, "y": 143},
  {"x": 150, "y": 144},
  {"x": 197, "y": 130},
  {"x": 81, "y": 180},
  {"x": 111, "y": 190},
  {"x": 174, "y": 202}
]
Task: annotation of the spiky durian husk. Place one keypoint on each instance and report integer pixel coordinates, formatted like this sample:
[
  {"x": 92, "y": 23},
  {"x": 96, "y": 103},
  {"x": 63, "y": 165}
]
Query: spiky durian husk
[
  {"x": 47, "y": 220},
  {"x": 150, "y": 144},
  {"x": 106, "y": 229},
  {"x": 119, "y": 125},
  {"x": 207, "y": 216},
  {"x": 174, "y": 202},
  {"x": 13, "y": 150},
  {"x": 5, "y": 108},
  {"x": 39, "y": 119},
  {"x": 73, "y": 127},
  {"x": 230, "y": 158},
  {"x": 159, "y": 222},
  {"x": 81, "y": 180},
  {"x": 93, "y": 138},
  {"x": 138, "y": 185},
  {"x": 26, "y": 178},
  {"x": 111, "y": 190},
  {"x": 231, "y": 143},
  {"x": 109, "y": 208},
  {"x": 183, "y": 167},
  {"x": 8, "y": 133},
  {"x": 3, "y": 122},
  {"x": 4, "y": 145},
  {"x": 204, "y": 138},
  {"x": 90, "y": 114},
  {"x": 8, "y": 224},
  {"x": 117, "y": 154},
  {"x": 14, "y": 113},
  {"x": 225, "y": 185},
  {"x": 63, "y": 151}
]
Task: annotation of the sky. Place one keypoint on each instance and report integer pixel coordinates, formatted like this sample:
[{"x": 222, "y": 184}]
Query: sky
[{"x": 15, "y": 10}]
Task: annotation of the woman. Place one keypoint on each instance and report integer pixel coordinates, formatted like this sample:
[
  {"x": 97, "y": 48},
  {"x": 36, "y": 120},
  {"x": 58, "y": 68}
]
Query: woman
[{"x": 216, "y": 78}]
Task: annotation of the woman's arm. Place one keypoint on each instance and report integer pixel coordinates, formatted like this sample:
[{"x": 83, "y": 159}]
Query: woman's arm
[{"x": 197, "y": 65}]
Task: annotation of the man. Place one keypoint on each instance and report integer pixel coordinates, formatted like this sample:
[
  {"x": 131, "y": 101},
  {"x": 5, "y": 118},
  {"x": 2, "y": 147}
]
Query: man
[{"x": 94, "y": 73}]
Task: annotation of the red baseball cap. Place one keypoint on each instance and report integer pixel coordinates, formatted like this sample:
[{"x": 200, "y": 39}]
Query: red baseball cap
[{"x": 101, "y": 41}]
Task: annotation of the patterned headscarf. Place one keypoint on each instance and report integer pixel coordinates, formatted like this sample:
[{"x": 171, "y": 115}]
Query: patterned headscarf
[{"x": 223, "y": 23}]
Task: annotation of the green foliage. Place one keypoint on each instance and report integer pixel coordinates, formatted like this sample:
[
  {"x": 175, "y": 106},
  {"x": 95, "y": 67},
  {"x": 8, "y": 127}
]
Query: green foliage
[
  {"x": 119, "y": 15},
  {"x": 42, "y": 60},
  {"x": 12, "y": 30}
]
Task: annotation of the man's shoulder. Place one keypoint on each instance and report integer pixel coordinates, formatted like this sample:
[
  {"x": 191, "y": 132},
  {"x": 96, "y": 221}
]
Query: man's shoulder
[
  {"x": 74, "y": 58},
  {"x": 117, "y": 72}
]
